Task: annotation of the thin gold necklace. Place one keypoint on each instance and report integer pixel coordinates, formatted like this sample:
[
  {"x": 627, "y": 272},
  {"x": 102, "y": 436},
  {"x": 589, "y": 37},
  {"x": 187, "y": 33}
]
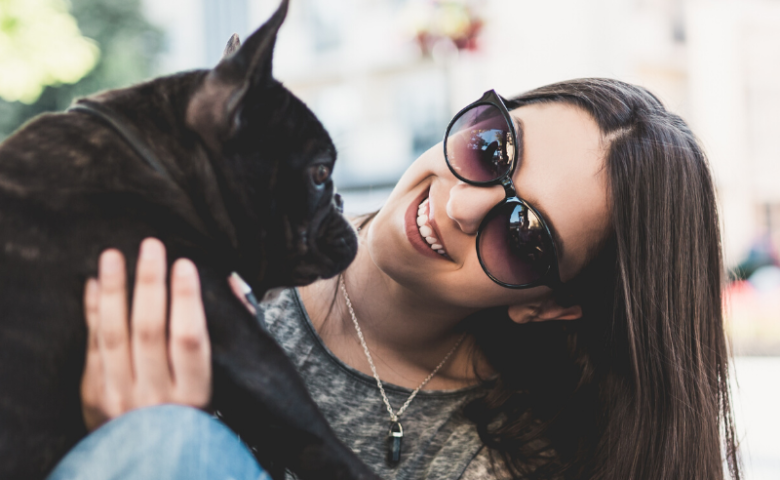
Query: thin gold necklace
[{"x": 396, "y": 433}]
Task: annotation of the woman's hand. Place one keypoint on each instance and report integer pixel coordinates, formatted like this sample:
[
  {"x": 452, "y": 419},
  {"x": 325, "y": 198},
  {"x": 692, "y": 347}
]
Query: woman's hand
[{"x": 146, "y": 361}]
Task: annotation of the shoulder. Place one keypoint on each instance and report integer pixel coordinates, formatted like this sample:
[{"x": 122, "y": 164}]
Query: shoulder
[
  {"x": 489, "y": 464},
  {"x": 285, "y": 319},
  {"x": 486, "y": 465},
  {"x": 282, "y": 314},
  {"x": 278, "y": 305}
]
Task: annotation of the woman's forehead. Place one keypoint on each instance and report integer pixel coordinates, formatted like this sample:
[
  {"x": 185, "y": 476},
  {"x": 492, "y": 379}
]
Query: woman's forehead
[{"x": 562, "y": 174}]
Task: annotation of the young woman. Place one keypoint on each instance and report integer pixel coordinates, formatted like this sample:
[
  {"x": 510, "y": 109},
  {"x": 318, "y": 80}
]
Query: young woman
[{"x": 541, "y": 298}]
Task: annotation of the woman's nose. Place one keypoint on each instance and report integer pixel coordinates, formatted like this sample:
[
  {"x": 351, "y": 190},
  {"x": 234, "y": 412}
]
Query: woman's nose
[{"x": 468, "y": 205}]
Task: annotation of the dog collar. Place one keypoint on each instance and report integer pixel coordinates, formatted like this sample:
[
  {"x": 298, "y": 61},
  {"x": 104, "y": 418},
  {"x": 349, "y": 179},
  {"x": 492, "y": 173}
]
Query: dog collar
[{"x": 108, "y": 116}]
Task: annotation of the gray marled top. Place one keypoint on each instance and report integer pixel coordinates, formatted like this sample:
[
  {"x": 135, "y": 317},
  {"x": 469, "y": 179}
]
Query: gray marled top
[{"x": 439, "y": 443}]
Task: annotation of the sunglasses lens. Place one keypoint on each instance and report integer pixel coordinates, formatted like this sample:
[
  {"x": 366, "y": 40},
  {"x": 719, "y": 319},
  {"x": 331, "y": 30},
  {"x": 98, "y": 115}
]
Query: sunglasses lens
[
  {"x": 479, "y": 144},
  {"x": 514, "y": 246}
]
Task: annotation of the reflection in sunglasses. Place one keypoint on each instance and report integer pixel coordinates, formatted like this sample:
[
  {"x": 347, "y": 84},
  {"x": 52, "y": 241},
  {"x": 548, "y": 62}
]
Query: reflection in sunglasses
[
  {"x": 526, "y": 235},
  {"x": 489, "y": 143}
]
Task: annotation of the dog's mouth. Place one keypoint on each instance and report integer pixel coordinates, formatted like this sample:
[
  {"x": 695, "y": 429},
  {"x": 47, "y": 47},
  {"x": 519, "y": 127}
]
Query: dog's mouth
[
  {"x": 320, "y": 248},
  {"x": 335, "y": 244},
  {"x": 332, "y": 245}
]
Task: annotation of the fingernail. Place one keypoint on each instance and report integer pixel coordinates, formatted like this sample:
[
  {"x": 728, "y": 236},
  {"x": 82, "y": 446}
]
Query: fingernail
[
  {"x": 109, "y": 261},
  {"x": 150, "y": 249},
  {"x": 185, "y": 268},
  {"x": 245, "y": 288}
]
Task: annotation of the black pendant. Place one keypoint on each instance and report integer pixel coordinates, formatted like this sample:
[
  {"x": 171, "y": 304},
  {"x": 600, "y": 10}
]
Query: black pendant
[{"x": 394, "y": 437}]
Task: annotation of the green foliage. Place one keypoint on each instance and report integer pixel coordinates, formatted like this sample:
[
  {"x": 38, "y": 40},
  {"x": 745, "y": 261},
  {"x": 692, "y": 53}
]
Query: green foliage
[
  {"x": 40, "y": 45},
  {"x": 129, "y": 46}
]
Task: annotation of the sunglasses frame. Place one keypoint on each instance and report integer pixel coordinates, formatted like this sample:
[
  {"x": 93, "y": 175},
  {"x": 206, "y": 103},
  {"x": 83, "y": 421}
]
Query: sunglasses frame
[{"x": 551, "y": 277}]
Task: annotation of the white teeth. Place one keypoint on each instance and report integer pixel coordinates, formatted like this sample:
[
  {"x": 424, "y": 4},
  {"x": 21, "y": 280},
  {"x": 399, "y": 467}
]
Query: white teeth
[{"x": 425, "y": 229}]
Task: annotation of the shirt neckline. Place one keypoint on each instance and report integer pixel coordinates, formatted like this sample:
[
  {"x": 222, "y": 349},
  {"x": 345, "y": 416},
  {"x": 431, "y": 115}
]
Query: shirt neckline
[{"x": 357, "y": 374}]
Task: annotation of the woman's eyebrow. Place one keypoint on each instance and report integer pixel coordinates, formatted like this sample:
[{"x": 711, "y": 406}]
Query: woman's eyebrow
[
  {"x": 521, "y": 151},
  {"x": 518, "y": 127}
]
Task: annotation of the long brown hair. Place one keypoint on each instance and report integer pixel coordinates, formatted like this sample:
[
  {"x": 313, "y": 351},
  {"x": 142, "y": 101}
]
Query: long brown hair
[{"x": 638, "y": 387}]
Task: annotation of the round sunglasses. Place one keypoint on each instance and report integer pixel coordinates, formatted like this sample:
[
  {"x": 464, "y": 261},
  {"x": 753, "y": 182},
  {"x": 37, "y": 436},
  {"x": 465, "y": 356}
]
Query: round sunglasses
[{"x": 514, "y": 244}]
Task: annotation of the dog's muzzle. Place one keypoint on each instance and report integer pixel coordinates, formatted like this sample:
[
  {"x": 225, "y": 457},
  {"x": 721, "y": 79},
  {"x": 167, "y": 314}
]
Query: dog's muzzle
[
  {"x": 338, "y": 203},
  {"x": 331, "y": 239}
]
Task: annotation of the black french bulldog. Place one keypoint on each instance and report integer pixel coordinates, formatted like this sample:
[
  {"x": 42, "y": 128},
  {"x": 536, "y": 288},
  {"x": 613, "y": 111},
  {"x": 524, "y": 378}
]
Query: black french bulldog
[{"x": 227, "y": 168}]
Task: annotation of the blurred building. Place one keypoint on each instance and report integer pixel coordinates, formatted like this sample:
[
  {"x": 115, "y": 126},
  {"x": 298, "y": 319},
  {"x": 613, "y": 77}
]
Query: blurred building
[{"x": 385, "y": 100}]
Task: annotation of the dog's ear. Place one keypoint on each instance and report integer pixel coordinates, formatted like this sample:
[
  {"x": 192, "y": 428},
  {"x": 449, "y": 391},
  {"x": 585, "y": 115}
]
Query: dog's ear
[
  {"x": 213, "y": 110},
  {"x": 253, "y": 60},
  {"x": 232, "y": 46}
]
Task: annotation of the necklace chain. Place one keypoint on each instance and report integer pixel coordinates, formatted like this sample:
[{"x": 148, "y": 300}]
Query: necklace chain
[{"x": 393, "y": 415}]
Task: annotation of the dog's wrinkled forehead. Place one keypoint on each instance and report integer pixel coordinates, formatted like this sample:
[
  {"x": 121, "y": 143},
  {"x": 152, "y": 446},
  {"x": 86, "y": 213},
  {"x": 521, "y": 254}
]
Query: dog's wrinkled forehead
[{"x": 280, "y": 126}]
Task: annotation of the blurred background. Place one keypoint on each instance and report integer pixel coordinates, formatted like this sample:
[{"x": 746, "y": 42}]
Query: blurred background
[{"x": 385, "y": 77}]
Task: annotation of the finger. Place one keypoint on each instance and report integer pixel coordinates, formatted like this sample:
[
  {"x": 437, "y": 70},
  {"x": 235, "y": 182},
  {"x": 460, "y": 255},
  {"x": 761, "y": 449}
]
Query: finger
[
  {"x": 113, "y": 338},
  {"x": 240, "y": 289},
  {"x": 148, "y": 330},
  {"x": 93, "y": 367},
  {"x": 190, "y": 346},
  {"x": 92, "y": 381}
]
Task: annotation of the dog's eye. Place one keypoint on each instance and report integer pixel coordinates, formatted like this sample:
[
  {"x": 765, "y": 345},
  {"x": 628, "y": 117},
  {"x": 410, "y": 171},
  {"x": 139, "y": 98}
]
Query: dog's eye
[{"x": 320, "y": 174}]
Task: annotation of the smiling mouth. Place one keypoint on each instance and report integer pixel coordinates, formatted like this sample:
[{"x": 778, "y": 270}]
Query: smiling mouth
[{"x": 425, "y": 229}]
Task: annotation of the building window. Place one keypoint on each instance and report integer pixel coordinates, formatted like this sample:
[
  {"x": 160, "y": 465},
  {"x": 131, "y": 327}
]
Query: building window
[{"x": 222, "y": 19}]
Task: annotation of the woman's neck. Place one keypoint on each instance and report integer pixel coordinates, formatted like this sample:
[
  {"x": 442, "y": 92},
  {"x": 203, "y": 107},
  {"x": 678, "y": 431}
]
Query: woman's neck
[{"x": 407, "y": 334}]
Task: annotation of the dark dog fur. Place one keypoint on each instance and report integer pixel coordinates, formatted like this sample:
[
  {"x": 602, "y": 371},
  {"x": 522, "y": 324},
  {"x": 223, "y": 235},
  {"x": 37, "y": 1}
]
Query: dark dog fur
[{"x": 242, "y": 192}]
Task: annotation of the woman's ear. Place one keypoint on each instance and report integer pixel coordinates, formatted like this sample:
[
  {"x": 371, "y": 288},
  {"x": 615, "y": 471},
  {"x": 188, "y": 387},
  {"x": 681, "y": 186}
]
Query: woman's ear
[{"x": 545, "y": 310}]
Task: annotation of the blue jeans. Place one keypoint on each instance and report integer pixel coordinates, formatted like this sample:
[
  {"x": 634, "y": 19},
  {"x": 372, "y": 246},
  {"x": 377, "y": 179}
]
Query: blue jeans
[{"x": 168, "y": 442}]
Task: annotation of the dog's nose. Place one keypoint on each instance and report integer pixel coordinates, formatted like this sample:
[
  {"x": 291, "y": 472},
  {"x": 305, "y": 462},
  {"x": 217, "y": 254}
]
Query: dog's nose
[{"x": 338, "y": 202}]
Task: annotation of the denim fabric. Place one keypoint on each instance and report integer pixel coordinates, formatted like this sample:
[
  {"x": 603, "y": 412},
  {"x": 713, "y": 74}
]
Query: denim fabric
[{"x": 167, "y": 442}]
